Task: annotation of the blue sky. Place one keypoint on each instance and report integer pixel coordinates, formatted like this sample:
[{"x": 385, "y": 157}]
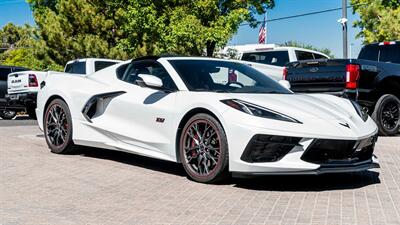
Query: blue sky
[{"x": 321, "y": 30}]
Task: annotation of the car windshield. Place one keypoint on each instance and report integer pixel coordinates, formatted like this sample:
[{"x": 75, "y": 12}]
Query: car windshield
[{"x": 224, "y": 76}]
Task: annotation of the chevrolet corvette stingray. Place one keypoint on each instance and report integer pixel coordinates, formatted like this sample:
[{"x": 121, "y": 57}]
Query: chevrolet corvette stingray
[{"x": 216, "y": 117}]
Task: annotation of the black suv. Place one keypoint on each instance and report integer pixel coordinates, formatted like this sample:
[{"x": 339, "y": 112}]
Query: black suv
[{"x": 8, "y": 111}]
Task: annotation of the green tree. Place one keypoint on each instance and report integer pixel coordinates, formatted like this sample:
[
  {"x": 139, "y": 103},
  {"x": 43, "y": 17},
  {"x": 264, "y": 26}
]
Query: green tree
[
  {"x": 186, "y": 26},
  {"x": 80, "y": 28},
  {"x": 326, "y": 51},
  {"x": 23, "y": 47},
  {"x": 379, "y": 19},
  {"x": 129, "y": 28}
]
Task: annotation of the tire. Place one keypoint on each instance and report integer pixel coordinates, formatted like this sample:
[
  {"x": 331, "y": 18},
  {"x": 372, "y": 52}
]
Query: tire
[
  {"x": 57, "y": 125},
  {"x": 8, "y": 114},
  {"x": 387, "y": 115},
  {"x": 31, "y": 112},
  {"x": 200, "y": 156}
]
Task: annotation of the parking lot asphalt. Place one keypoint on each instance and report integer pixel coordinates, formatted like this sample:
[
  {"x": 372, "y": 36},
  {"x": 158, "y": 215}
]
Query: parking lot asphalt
[{"x": 98, "y": 187}]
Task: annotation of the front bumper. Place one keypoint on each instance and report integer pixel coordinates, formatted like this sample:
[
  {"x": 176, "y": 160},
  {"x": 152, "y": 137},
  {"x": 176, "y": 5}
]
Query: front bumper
[
  {"x": 241, "y": 131},
  {"x": 351, "y": 168}
]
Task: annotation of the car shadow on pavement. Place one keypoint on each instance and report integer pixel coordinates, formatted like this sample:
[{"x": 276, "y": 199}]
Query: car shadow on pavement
[
  {"x": 298, "y": 183},
  {"x": 134, "y": 160},
  {"x": 305, "y": 183}
]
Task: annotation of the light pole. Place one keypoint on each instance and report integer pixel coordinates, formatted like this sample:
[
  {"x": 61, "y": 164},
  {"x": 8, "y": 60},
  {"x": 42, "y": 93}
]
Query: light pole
[
  {"x": 350, "y": 49},
  {"x": 343, "y": 21}
]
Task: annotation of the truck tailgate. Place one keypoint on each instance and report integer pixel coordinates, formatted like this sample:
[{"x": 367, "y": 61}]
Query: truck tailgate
[
  {"x": 317, "y": 75},
  {"x": 18, "y": 82}
]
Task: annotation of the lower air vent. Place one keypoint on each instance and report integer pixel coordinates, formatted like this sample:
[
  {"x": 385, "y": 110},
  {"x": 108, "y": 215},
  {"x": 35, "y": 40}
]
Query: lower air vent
[
  {"x": 325, "y": 151},
  {"x": 268, "y": 148}
]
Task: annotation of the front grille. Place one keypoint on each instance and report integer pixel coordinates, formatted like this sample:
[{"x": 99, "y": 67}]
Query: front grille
[
  {"x": 326, "y": 151},
  {"x": 268, "y": 148}
]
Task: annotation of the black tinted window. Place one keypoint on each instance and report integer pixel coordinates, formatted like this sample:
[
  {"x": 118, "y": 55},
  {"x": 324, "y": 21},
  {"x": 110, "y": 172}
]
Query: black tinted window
[
  {"x": 76, "y": 67},
  {"x": 99, "y": 65},
  {"x": 301, "y": 55},
  {"x": 148, "y": 67},
  {"x": 318, "y": 56},
  {"x": 389, "y": 53},
  {"x": 224, "y": 76},
  {"x": 369, "y": 52},
  {"x": 276, "y": 58},
  {"x": 4, "y": 73}
]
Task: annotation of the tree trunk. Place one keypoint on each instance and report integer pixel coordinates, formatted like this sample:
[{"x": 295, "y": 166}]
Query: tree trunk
[{"x": 210, "y": 48}]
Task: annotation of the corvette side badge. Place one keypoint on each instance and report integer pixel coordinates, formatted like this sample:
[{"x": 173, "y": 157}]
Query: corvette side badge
[{"x": 160, "y": 120}]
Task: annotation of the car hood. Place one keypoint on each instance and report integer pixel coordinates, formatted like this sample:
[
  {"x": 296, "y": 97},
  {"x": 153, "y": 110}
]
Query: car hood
[{"x": 299, "y": 105}]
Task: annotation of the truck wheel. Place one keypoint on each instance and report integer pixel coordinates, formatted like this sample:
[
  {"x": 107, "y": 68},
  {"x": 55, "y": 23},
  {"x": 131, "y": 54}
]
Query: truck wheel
[
  {"x": 7, "y": 114},
  {"x": 387, "y": 115},
  {"x": 31, "y": 112}
]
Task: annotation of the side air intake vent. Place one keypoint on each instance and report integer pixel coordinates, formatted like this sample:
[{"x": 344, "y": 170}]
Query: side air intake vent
[
  {"x": 97, "y": 104},
  {"x": 268, "y": 148}
]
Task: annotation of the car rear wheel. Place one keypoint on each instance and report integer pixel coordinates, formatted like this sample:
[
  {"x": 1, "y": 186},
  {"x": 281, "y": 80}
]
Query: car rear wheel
[
  {"x": 58, "y": 128},
  {"x": 7, "y": 114},
  {"x": 387, "y": 115},
  {"x": 204, "y": 149}
]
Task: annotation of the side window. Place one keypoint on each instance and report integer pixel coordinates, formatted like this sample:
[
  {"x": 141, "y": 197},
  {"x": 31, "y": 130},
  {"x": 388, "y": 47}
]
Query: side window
[
  {"x": 369, "y": 52},
  {"x": 276, "y": 58},
  {"x": 99, "y": 65},
  {"x": 150, "y": 67},
  {"x": 4, "y": 73},
  {"x": 76, "y": 67},
  {"x": 68, "y": 68},
  {"x": 301, "y": 55},
  {"x": 390, "y": 54},
  {"x": 318, "y": 56}
]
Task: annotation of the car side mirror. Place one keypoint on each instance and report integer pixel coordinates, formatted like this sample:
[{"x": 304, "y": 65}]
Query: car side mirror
[
  {"x": 285, "y": 84},
  {"x": 151, "y": 81}
]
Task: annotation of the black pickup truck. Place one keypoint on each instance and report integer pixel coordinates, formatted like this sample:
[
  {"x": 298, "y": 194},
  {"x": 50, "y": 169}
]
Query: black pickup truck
[
  {"x": 372, "y": 80},
  {"x": 8, "y": 111}
]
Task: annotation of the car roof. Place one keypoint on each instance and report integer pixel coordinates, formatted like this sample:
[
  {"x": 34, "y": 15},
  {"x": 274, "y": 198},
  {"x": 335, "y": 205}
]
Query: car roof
[
  {"x": 13, "y": 67},
  {"x": 95, "y": 59}
]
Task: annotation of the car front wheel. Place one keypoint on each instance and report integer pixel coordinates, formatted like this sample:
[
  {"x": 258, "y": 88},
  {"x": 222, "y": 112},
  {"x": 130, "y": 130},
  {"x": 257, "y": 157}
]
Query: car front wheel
[{"x": 204, "y": 149}]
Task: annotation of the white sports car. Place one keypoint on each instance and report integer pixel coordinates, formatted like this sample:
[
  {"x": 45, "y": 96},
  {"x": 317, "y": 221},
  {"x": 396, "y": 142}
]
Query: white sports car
[{"x": 216, "y": 117}]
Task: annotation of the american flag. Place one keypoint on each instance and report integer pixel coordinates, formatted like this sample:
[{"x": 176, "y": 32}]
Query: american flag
[{"x": 262, "y": 35}]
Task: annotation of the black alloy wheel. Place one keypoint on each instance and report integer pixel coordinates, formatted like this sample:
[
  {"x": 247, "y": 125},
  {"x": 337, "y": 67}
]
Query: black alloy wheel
[
  {"x": 58, "y": 127},
  {"x": 204, "y": 150},
  {"x": 387, "y": 115}
]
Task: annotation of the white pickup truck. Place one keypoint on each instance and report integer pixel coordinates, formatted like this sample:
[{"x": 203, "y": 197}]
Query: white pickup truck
[
  {"x": 270, "y": 59},
  {"x": 23, "y": 86}
]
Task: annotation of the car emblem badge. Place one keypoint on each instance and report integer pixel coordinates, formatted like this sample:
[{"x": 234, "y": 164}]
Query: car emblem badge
[
  {"x": 345, "y": 125},
  {"x": 160, "y": 120},
  {"x": 314, "y": 69}
]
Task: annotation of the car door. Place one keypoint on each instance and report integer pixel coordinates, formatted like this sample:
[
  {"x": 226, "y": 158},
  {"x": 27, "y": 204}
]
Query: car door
[{"x": 143, "y": 118}]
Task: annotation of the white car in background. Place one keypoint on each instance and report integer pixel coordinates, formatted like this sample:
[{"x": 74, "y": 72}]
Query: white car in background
[
  {"x": 270, "y": 59},
  {"x": 214, "y": 116},
  {"x": 23, "y": 86}
]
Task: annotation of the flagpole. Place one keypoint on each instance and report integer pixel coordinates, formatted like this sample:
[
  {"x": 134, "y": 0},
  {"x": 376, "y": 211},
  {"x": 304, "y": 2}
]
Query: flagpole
[{"x": 265, "y": 26}]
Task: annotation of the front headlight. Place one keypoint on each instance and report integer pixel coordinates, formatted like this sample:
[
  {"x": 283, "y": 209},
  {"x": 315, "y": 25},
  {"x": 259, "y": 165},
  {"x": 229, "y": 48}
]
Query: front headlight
[
  {"x": 360, "y": 111},
  {"x": 259, "y": 111}
]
